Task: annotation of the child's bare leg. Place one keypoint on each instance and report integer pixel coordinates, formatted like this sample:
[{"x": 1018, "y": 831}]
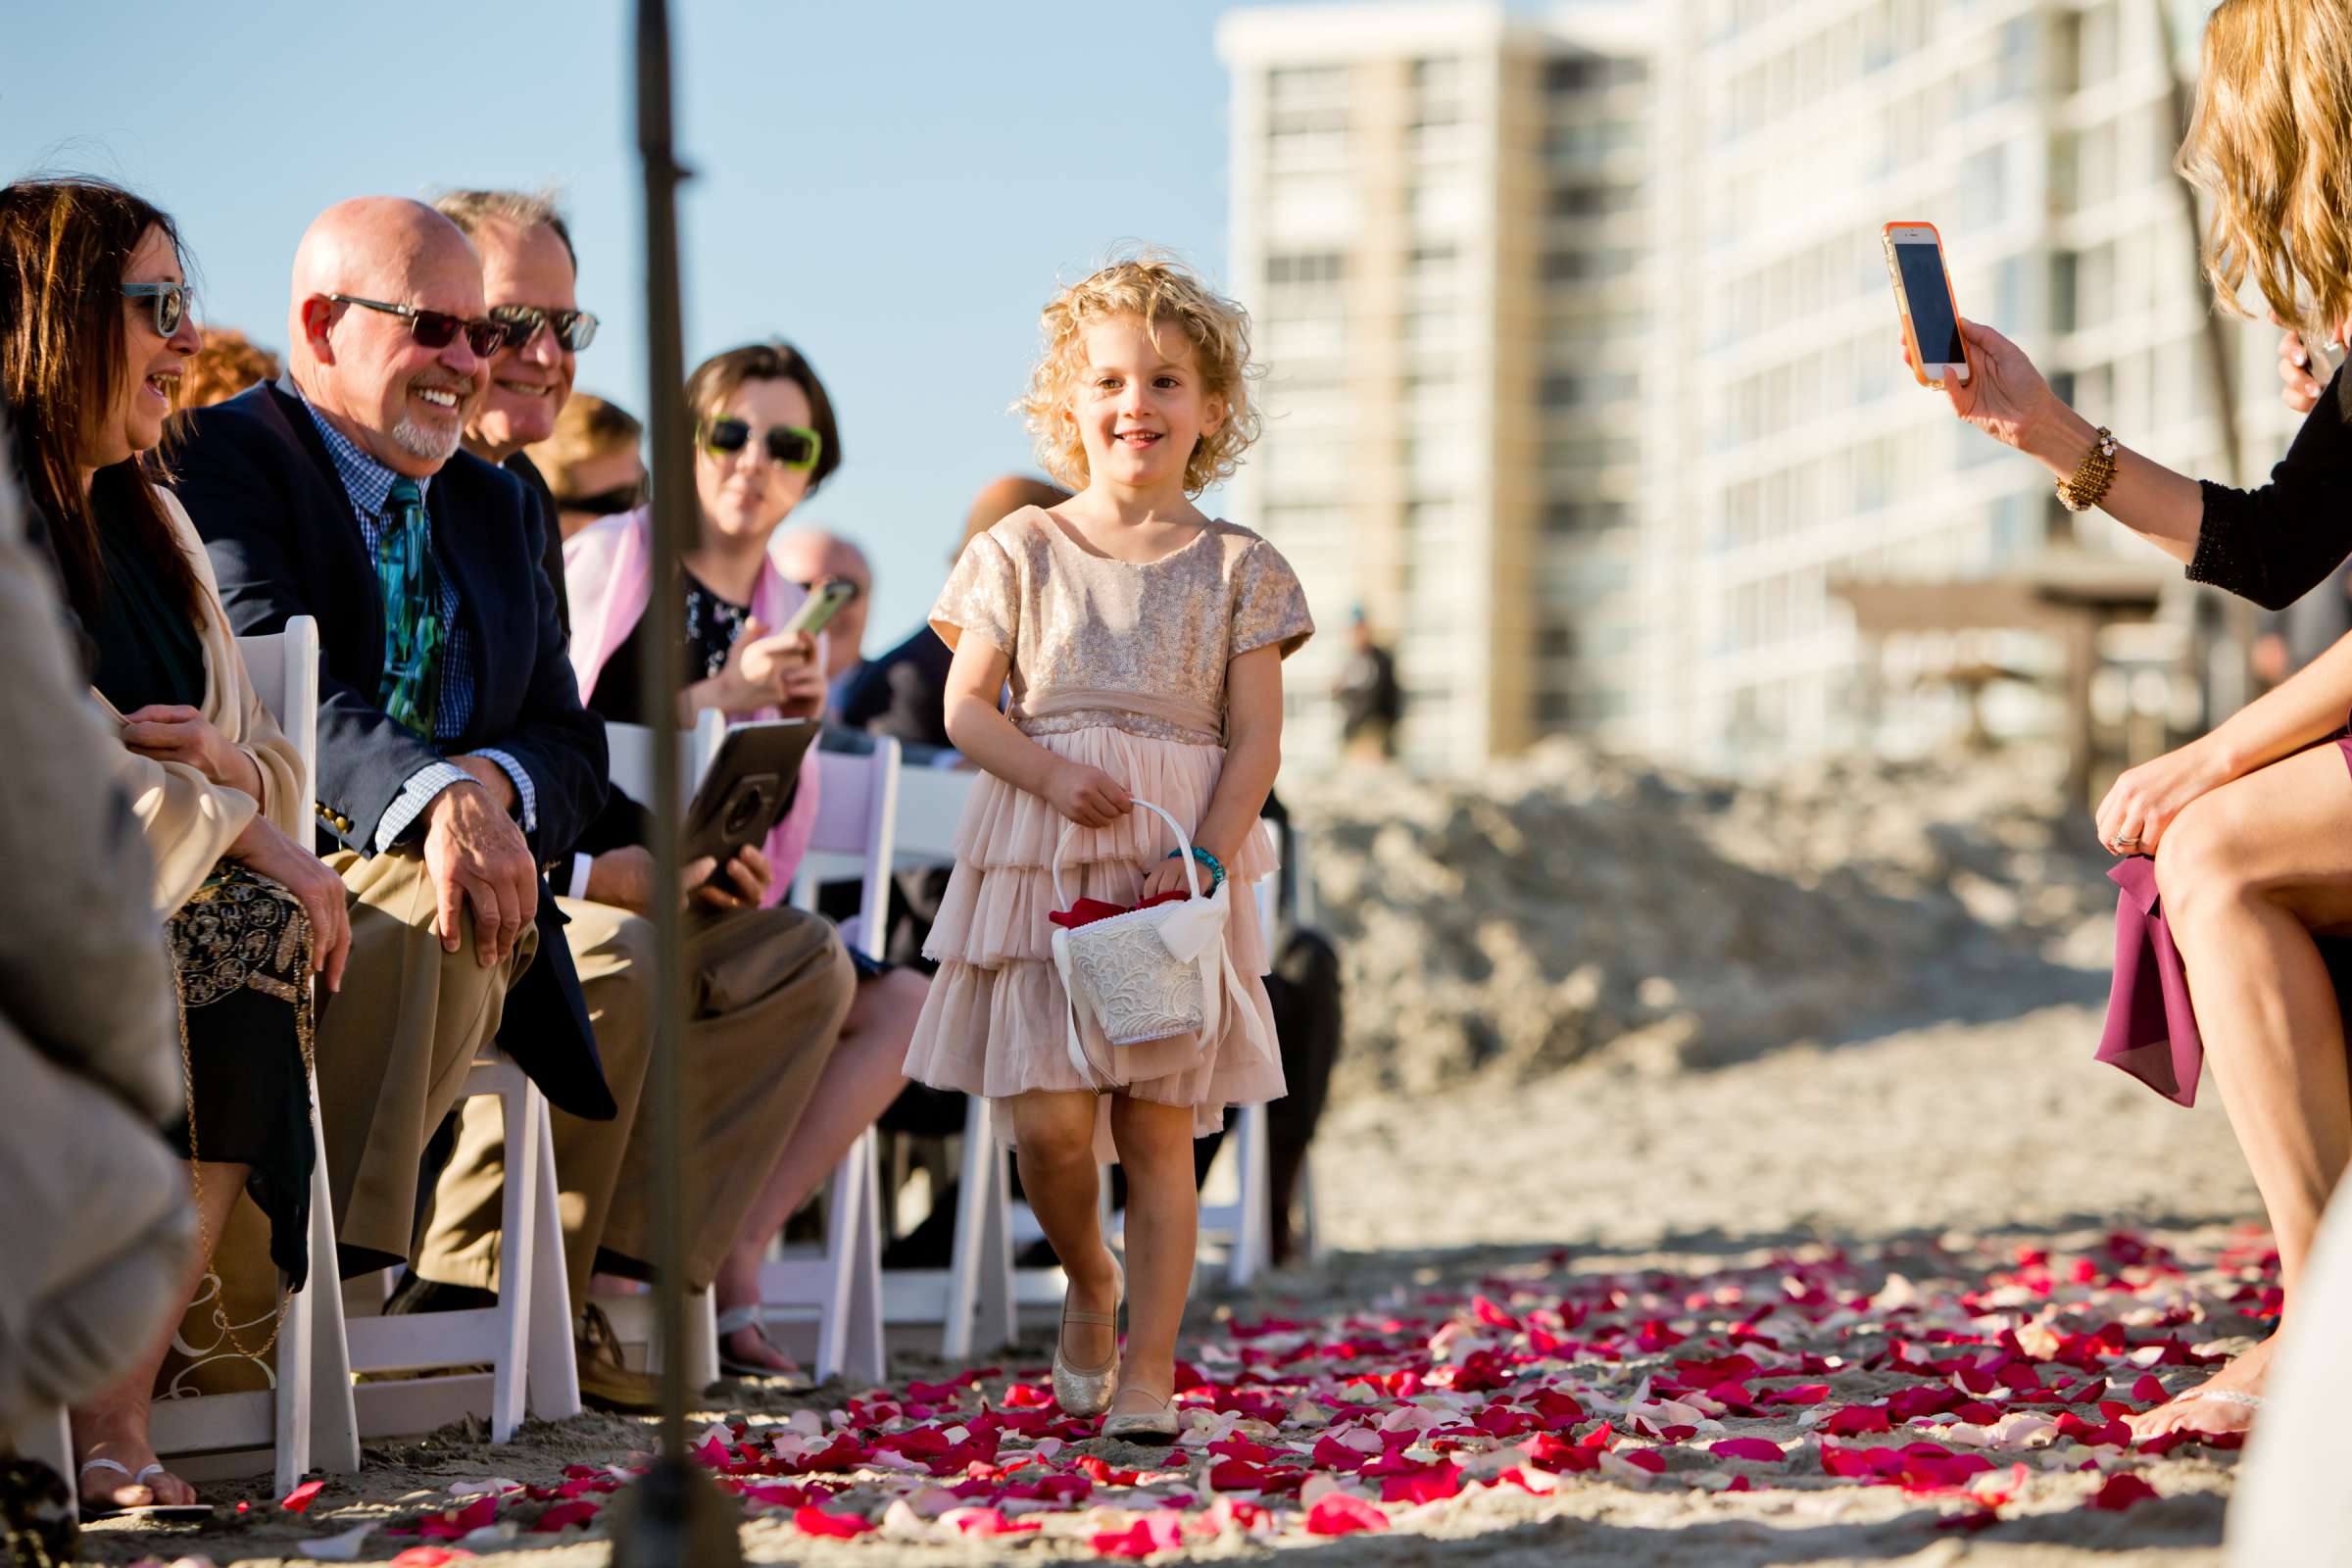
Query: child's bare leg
[
  {"x": 1163, "y": 1219},
  {"x": 1053, "y": 1137}
]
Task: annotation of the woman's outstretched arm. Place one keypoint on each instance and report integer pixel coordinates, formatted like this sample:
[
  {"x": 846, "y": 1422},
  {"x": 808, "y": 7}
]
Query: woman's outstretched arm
[{"x": 2271, "y": 545}]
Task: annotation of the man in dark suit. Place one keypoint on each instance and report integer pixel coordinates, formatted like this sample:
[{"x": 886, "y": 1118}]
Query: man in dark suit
[
  {"x": 768, "y": 988},
  {"x": 451, "y": 735}
]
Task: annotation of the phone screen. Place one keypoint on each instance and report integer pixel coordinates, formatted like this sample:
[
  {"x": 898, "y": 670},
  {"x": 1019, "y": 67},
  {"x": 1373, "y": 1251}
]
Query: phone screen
[{"x": 1931, "y": 302}]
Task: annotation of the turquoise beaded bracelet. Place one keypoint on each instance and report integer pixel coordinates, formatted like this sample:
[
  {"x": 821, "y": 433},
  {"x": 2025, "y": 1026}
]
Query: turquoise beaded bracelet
[{"x": 1216, "y": 868}]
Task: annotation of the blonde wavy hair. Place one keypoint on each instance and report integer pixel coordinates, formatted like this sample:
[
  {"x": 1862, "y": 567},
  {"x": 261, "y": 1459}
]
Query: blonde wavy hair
[
  {"x": 1162, "y": 292},
  {"x": 2269, "y": 145}
]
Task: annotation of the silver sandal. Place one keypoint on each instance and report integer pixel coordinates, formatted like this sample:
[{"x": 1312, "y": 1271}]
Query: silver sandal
[
  {"x": 1135, "y": 1426},
  {"x": 1077, "y": 1391}
]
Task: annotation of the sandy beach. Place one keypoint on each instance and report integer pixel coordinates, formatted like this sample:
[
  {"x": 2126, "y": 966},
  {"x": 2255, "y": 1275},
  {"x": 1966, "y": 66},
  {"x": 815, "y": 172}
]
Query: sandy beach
[{"x": 1616, "y": 1271}]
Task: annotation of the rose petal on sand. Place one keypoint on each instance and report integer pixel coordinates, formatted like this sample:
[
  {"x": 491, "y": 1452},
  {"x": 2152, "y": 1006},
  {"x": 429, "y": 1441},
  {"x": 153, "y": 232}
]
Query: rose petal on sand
[
  {"x": 2121, "y": 1492},
  {"x": 344, "y": 1547},
  {"x": 823, "y": 1522},
  {"x": 1341, "y": 1513},
  {"x": 299, "y": 1499},
  {"x": 1759, "y": 1451}
]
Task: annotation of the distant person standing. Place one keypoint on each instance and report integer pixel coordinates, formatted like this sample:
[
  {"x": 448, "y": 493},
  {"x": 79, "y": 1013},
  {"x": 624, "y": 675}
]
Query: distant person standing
[{"x": 1370, "y": 701}]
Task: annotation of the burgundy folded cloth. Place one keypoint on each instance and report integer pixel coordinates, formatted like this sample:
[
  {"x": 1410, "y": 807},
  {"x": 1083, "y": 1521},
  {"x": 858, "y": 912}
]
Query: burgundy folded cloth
[{"x": 2150, "y": 1033}]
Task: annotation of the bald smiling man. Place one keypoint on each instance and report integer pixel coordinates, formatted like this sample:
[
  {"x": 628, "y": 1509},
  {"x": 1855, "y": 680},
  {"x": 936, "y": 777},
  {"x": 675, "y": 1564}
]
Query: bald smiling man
[{"x": 452, "y": 744}]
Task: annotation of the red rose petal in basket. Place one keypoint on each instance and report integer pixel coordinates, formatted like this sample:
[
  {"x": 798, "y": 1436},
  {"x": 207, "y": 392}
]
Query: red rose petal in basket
[
  {"x": 299, "y": 1499},
  {"x": 2122, "y": 1492}
]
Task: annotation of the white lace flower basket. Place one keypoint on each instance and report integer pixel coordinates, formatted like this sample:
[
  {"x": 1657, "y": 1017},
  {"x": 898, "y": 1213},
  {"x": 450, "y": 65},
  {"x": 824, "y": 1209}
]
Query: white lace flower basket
[{"x": 1149, "y": 973}]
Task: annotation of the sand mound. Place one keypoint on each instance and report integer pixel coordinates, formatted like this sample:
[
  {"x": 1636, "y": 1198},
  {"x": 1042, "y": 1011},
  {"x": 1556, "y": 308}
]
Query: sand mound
[{"x": 1572, "y": 900}]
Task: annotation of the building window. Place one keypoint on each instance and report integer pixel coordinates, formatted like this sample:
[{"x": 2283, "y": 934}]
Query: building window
[
  {"x": 1311, "y": 267},
  {"x": 1585, "y": 516}
]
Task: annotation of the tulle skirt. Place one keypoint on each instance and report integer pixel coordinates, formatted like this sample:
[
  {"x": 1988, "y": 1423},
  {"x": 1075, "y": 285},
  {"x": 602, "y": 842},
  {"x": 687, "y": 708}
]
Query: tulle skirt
[{"x": 995, "y": 1022}]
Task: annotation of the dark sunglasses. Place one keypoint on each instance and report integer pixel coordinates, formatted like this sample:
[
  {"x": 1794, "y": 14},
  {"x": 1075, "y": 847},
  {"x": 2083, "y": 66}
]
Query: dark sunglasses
[
  {"x": 788, "y": 444},
  {"x": 605, "y": 503},
  {"x": 437, "y": 329},
  {"x": 574, "y": 329},
  {"x": 171, "y": 301}
]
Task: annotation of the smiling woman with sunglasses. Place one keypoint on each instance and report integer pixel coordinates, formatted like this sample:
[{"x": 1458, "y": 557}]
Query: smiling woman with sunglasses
[{"x": 94, "y": 329}]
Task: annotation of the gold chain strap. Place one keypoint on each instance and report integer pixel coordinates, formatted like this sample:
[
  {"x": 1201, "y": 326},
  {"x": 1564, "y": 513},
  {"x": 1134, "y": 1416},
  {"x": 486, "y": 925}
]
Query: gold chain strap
[{"x": 187, "y": 1078}]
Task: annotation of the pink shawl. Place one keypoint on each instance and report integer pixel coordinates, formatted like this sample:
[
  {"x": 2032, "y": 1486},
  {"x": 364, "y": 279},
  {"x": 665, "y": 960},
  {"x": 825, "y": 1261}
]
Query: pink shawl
[{"x": 607, "y": 572}]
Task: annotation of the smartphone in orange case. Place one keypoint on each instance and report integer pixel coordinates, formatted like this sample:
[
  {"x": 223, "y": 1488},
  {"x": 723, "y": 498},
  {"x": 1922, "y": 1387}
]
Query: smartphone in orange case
[{"x": 1923, "y": 290}]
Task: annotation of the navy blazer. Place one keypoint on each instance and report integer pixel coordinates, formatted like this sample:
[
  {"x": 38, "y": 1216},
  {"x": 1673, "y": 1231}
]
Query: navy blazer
[{"x": 256, "y": 479}]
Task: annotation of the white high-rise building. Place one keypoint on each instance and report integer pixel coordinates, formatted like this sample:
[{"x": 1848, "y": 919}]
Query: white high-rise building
[
  {"x": 1439, "y": 224},
  {"x": 1788, "y": 444}
]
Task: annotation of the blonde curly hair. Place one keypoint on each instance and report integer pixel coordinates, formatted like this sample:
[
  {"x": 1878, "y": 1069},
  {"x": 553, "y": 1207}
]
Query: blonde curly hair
[
  {"x": 1163, "y": 292},
  {"x": 2271, "y": 146}
]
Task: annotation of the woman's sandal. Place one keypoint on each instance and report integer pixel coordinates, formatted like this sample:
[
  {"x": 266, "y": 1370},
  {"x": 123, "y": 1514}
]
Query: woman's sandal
[
  {"x": 92, "y": 1510},
  {"x": 1137, "y": 1426},
  {"x": 734, "y": 1321},
  {"x": 1079, "y": 1391}
]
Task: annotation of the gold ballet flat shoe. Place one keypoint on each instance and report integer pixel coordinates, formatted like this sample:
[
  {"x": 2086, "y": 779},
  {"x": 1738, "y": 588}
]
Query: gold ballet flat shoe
[
  {"x": 1139, "y": 1426},
  {"x": 1078, "y": 1392}
]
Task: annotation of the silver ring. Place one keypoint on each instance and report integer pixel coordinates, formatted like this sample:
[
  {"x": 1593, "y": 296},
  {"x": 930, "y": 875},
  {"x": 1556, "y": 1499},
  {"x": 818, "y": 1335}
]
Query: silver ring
[{"x": 2123, "y": 844}]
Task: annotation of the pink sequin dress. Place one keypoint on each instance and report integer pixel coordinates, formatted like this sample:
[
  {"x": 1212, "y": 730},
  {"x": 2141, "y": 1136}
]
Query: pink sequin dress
[{"x": 1121, "y": 666}]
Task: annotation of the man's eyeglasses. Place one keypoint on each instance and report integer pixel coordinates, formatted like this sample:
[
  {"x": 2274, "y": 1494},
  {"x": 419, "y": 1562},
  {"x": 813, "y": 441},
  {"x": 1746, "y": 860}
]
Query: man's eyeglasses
[
  {"x": 171, "y": 302},
  {"x": 852, "y": 589},
  {"x": 437, "y": 329},
  {"x": 605, "y": 503},
  {"x": 790, "y": 445},
  {"x": 574, "y": 329}
]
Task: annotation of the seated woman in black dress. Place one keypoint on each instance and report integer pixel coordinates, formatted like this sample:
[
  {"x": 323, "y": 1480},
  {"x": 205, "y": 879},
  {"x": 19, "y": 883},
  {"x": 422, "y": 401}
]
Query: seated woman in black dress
[
  {"x": 95, "y": 297},
  {"x": 2250, "y": 825}
]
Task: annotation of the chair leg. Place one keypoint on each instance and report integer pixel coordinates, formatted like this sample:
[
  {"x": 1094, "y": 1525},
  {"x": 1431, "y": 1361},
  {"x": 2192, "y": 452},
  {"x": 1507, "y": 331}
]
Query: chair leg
[
  {"x": 980, "y": 1279},
  {"x": 517, "y": 1224},
  {"x": 997, "y": 1320},
  {"x": 701, "y": 1349},
  {"x": 863, "y": 1357},
  {"x": 290, "y": 1377},
  {"x": 1310, "y": 1239},
  {"x": 334, "y": 1422},
  {"x": 1250, "y": 1236},
  {"x": 555, "y": 1370}
]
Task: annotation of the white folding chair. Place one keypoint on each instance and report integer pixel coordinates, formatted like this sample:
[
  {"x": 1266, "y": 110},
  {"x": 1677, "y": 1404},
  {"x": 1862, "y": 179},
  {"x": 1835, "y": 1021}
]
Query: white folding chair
[
  {"x": 629, "y": 748},
  {"x": 527, "y": 1338},
  {"x": 306, "y": 1415},
  {"x": 1246, "y": 1223},
  {"x": 856, "y": 821}
]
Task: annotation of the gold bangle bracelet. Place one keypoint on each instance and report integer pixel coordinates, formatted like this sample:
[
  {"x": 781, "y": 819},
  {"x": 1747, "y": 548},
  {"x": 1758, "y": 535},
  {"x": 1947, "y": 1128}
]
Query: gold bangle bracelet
[{"x": 2083, "y": 489}]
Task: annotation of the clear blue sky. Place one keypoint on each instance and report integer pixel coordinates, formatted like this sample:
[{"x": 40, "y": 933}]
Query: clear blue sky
[{"x": 894, "y": 186}]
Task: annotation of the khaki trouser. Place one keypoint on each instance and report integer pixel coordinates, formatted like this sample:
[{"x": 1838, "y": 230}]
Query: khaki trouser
[
  {"x": 766, "y": 994},
  {"x": 394, "y": 1048}
]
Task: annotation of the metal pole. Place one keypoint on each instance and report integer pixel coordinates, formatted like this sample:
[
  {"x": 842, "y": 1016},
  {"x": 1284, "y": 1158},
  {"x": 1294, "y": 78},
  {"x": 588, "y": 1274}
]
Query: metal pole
[{"x": 675, "y": 1515}]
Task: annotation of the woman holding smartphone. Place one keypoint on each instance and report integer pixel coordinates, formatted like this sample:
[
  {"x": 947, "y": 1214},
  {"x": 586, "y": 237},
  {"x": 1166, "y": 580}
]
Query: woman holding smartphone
[
  {"x": 765, "y": 439},
  {"x": 2252, "y": 825}
]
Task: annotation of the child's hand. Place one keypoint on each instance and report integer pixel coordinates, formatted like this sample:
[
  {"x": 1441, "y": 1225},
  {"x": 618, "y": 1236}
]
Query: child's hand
[
  {"x": 1168, "y": 877},
  {"x": 1087, "y": 796}
]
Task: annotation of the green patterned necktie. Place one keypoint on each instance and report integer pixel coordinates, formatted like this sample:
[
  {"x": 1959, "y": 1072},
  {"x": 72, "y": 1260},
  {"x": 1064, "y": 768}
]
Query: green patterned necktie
[{"x": 413, "y": 630}]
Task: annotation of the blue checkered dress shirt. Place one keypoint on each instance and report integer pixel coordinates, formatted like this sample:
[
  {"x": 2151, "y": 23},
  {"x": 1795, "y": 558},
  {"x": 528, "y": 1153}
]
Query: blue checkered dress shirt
[{"x": 367, "y": 485}]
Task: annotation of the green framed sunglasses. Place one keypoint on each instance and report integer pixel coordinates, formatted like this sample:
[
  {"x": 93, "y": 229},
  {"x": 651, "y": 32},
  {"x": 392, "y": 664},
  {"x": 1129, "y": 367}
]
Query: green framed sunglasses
[
  {"x": 172, "y": 303},
  {"x": 790, "y": 446}
]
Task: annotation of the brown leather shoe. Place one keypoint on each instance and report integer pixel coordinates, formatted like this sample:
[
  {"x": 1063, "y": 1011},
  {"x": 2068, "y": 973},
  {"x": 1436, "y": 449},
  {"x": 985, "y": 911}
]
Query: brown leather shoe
[{"x": 606, "y": 1381}]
